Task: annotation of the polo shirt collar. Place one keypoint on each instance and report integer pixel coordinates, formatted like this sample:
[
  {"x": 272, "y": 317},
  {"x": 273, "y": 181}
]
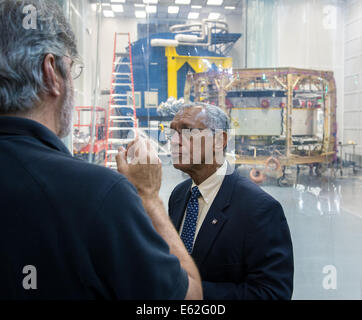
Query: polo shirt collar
[{"x": 26, "y": 127}]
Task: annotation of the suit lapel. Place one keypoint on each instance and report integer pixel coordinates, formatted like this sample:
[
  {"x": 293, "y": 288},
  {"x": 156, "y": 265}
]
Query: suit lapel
[
  {"x": 179, "y": 206},
  {"x": 214, "y": 220}
]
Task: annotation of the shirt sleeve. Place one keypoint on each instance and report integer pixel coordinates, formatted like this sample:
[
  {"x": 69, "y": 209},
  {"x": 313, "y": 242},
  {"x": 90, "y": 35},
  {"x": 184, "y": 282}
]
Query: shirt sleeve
[{"x": 130, "y": 259}]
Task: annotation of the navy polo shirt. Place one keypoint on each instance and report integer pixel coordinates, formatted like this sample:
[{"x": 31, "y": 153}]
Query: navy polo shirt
[{"x": 75, "y": 230}]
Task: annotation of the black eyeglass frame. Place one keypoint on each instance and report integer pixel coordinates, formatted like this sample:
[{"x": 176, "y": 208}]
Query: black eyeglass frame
[
  {"x": 75, "y": 75},
  {"x": 169, "y": 135}
]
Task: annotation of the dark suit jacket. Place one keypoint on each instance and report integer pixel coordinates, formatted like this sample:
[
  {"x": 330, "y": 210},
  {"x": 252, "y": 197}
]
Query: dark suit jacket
[{"x": 248, "y": 253}]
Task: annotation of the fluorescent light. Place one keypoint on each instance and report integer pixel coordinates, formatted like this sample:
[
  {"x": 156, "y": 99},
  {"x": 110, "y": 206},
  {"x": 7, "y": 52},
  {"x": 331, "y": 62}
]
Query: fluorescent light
[
  {"x": 196, "y": 7},
  {"x": 193, "y": 15},
  {"x": 214, "y": 2},
  {"x": 139, "y": 5},
  {"x": 173, "y": 9},
  {"x": 108, "y": 13},
  {"x": 182, "y": 1},
  {"x": 106, "y": 4},
  {"x": 150, "y": 1},
  {"x": 118, "y": 1},
  {"x": 214, "y": 15},
  {"x": 230, "y": 8},
  {"x": 117, "y": 7},
  {"x": 94, "y": 6},
  {"x": 140, "y": 14},
  {"x": 151, "y": 9}
]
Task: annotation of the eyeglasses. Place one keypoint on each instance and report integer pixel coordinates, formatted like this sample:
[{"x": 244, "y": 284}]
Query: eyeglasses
[
  {"x": 76, "y": 68},
  {"x": 171, "y": 132}
]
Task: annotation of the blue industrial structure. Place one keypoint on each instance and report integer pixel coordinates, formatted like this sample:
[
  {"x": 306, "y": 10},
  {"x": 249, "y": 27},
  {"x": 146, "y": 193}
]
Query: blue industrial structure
[{"x": 152, "y": 69}]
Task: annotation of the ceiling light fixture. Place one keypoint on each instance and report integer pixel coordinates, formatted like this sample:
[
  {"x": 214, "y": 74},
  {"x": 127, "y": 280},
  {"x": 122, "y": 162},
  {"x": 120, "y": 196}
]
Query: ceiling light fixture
[
  {"x": 108, "y": 13},
  {"x": 173, "y": 9},
  {"x": 193, "y": 15},
  {"x": 117, "y": 7},
  {"x": 151, "y": 9},
  {"x": 214, "y": 15},
  {"x": 182, "y": 1},
  {"x": 150, "y": 1},
  {"x": 230, "y": 8},
  {"x": 214, "y": 2},
  {"x": 140, "y": 14}
]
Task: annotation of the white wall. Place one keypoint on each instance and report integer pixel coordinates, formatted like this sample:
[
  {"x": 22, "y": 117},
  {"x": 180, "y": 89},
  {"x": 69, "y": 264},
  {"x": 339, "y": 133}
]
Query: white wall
[
  {"x": 84, "y": 24},
  {"x": 302, "y": 34},
  {"x": 236, "y": 25},
  {"x": 108, "y": 28},
  {"x": 311, "y": 36},
  {"x": 353, "y": 74}
]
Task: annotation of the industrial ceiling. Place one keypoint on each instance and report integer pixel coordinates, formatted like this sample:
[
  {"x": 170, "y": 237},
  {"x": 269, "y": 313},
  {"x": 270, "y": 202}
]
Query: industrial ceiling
[{"x": 169, "y": 9}]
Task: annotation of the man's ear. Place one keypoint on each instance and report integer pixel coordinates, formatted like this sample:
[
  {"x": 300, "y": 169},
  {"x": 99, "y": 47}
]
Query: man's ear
[
  {"x": 50, "y": 76},
  {"x": 225, "y": 139},
  {"x": 219, "y": 146},
  {"x": 221, "y": 140}
]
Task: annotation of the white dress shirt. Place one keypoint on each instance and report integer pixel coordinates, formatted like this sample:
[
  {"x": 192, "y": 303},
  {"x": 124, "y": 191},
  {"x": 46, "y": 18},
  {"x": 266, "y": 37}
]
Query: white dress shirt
[{"x": 208, "y": 189}]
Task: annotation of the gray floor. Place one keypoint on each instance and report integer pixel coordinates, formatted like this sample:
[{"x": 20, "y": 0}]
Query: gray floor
[{"x": 325, "y": 219}]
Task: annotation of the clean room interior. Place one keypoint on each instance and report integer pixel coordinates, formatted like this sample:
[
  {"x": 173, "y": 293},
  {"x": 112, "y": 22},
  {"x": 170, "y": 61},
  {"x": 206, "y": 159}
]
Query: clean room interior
[{"x": 289, "y": 73}]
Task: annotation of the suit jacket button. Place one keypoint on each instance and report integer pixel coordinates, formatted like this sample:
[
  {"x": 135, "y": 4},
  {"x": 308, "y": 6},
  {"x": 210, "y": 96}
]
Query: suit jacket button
[{"x": 214, "y": 221}]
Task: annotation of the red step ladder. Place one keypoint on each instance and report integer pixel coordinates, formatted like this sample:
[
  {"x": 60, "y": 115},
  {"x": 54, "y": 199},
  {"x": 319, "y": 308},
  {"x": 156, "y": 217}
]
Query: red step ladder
[{"x": 120, "y": 103}]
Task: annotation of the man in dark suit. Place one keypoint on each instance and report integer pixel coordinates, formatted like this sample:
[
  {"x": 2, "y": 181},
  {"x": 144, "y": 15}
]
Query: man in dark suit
[{"x": 236, "y": 233}]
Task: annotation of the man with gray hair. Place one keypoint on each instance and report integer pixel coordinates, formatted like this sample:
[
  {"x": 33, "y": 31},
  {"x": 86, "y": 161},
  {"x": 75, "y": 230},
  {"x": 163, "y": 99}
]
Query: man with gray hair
[
  {"x": 236, "y": 233},
  {"x": 70, "y": 229}
]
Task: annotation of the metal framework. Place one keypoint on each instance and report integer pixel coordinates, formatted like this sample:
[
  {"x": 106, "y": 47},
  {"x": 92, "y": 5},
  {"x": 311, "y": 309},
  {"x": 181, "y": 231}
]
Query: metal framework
[
  {"x": 81, "y": 148},
  {"x": 199, "y": 64},
  {"x": 215, "y": 86}
]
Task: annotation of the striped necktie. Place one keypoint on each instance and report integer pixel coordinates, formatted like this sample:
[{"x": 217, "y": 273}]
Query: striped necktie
[{"x": 189, "y": 228}]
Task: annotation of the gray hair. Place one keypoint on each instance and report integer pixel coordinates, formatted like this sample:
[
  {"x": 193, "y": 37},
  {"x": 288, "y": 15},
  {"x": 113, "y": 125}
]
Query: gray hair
[
  {"x": 22, "y": 51},
  {"x": 216, "y": 118}
]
